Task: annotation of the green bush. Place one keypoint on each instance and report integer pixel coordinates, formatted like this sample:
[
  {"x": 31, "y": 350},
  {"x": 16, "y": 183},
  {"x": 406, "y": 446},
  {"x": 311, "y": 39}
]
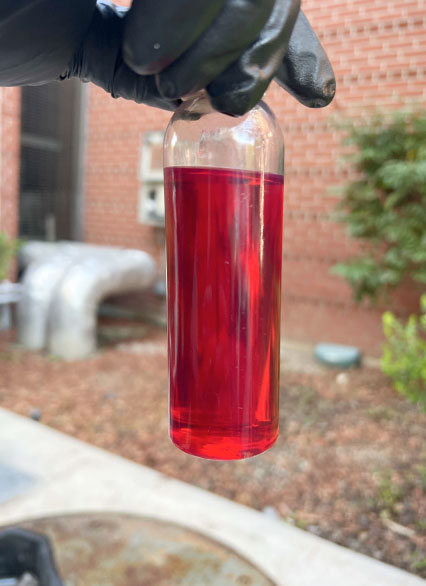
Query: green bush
[
  {"x": 384, "y": 207},
  {"x": 8, "y": 249},
  {"x": 404, "y": 355}
]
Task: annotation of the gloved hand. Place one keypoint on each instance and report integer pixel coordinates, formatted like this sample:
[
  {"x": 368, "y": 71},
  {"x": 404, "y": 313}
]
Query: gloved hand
[
  {"x": 99, "y": 59},
  {"x": 233, "y": 48},
  {"x": 158, "y": 51}
]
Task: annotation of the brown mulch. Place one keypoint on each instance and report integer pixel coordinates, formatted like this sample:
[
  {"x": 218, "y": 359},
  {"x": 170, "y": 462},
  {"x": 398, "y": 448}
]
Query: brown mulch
[{"x": 349, "y": 465}]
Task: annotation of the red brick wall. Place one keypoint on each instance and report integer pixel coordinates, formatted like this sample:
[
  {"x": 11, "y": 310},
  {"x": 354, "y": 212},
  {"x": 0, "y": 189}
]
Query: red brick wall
[
  {"x": 377, "y": 49},
  {"x": 115, "y": 132},
  {"x": 10, "y": 110}
]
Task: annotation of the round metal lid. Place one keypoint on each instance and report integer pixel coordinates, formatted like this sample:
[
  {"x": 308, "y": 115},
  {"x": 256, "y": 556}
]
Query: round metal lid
[{"x": 124, "y": 550}]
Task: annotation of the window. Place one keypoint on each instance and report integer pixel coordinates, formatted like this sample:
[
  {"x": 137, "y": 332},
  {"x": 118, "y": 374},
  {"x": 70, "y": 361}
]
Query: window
[
  {"x": 151, "y": 193},
  {"x": 49, "y": 128}
]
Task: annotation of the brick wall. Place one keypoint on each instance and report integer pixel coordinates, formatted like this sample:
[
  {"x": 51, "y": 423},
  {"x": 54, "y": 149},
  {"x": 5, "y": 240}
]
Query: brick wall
[
  {"x": 9, "y": 159},
  {"x": 377, "y": 49},
  {"x": 112, "y": 183}
]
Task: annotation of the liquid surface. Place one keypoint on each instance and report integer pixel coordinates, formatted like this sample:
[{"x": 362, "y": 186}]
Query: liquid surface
[{"x": 224, "y": 251}]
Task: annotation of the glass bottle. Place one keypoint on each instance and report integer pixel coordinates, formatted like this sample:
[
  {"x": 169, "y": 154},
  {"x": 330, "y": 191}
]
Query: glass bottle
[{"x": 224, "y": 184}]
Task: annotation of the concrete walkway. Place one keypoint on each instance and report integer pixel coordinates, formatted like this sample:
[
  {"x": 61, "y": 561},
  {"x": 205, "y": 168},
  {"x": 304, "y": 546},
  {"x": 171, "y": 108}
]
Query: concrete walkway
[{"x": 54, "y": 473}]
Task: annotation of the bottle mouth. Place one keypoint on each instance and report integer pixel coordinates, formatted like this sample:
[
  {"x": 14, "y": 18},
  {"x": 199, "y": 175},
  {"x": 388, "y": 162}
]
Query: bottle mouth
[
  {"x": 195, "y": 105},
  {"x": 199, "y": 94}
]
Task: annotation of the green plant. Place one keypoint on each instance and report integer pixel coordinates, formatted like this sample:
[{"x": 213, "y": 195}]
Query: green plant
[
  {"x": 297, "y": 521},
  {"x": 381, "y": 413},
  {"x": 384, "y": 207},
  {"x": 421, "y": 470},
  {"x": 389, "y": 494},
  {"x": 418, "y": 561},
  {"x": 421, "y": 525},
  {"x": 404, "y": 354},
  {"x": 8, "y": 249}
]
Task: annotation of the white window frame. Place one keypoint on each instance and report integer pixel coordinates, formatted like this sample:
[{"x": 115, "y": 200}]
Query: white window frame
[{"x": 150, "y": 212}]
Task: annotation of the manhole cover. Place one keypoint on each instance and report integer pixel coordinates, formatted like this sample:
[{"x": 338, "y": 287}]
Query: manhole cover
[{"x": 121, "y": 550}]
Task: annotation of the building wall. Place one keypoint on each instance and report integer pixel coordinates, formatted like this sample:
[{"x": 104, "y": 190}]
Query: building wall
[
  {"x": 115, "y": 134},
  {"x": 9, "y": 159},
  {"x": 377, "y": 49}
]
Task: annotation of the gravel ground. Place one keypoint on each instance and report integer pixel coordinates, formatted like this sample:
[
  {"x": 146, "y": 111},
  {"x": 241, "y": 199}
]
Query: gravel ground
[{"x": 349, "y": 465}]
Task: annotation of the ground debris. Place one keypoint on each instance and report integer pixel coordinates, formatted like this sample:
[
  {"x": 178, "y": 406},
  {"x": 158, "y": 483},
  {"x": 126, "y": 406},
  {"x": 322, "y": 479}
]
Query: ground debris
[{"x": 349, "y": 464}]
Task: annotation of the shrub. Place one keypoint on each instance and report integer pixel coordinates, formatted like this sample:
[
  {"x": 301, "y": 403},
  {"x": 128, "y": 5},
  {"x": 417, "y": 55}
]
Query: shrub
[
  {"x": 384, "y": 207},
  {"x": 8, "y": 249},
  {"x": 404, "y": 355}
]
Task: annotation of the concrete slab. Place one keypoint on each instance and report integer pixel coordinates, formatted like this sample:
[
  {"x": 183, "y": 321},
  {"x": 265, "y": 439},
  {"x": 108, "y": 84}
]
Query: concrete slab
[
  {"x": 76, "y": 477},
  {"x": 13, "y": 482}
]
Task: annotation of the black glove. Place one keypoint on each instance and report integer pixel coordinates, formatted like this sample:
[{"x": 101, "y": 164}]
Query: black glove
[
  {"x": 233, "y": 48},
  {"x": 158, "y": 51},
  {"x": 100, "y": 60},
  {"x": 45, "y": 40}
]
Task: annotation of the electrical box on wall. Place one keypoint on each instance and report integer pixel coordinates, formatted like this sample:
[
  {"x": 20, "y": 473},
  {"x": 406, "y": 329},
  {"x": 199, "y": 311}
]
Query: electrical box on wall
[{"x": 151, "y": 192}]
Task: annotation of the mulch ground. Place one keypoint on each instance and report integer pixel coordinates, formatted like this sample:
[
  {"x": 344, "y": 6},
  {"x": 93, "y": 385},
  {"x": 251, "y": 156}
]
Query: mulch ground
[{"x": 349, "y": 465}]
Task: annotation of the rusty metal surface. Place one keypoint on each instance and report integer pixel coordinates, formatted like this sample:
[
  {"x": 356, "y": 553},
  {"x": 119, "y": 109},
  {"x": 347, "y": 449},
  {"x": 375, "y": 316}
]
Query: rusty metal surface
[{"x": 124, "y": 550}]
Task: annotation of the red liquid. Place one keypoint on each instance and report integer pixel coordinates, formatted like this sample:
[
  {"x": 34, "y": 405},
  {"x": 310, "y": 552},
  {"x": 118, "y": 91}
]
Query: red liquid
[{"x": 224, "y": 240}]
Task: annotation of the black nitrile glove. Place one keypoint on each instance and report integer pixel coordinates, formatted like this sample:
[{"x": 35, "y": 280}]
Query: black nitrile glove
[
  {"x": 100, "y": 60},
  {"x": 161, "y": 50},
  {"x": 44, "y": 40},
  {"x": 233, "y": 48}
]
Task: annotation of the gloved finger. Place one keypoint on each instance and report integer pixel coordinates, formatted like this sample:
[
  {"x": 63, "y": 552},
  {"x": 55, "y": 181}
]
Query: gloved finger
[
  {"x": 243, "y": 84},
  {"x": 306, "y": 72},
  {"x": 142, "y": 89},
  {"x": 156, "y": 33},
  {"x": 235, "y": 29}
]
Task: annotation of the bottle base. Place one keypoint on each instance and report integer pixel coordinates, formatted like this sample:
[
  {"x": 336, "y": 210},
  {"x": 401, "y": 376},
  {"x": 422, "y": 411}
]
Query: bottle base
[{"x": 220, "y": 447}]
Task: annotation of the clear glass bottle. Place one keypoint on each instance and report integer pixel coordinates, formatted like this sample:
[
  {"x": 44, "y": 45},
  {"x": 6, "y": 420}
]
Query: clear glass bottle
[{"x": 224, "y": 183}]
